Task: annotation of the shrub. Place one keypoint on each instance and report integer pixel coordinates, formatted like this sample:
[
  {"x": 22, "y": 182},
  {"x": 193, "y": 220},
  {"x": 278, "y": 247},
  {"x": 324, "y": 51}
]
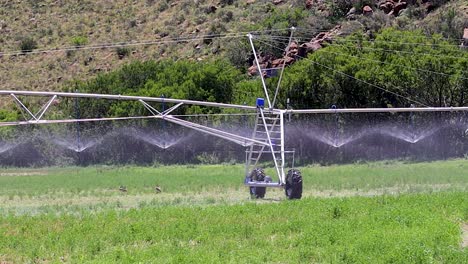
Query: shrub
[
  {"x": 163, "y": 6},
  {"x": 27, "y": 44},
  {"x": 226, "y": 2},
  {"x": 226, "y": 16},
  {"x": 123, "y": 52},
  {"x": 79, "y": 41}
]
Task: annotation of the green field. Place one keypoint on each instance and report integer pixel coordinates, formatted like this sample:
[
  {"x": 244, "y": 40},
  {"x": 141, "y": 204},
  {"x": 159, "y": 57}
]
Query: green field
[{"x": 383, "y": 212}]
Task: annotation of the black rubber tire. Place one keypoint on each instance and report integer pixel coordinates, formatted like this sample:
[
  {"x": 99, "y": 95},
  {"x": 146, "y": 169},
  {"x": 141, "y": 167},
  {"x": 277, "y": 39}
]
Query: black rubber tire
[
  {"x": 293, "y": 188},
  {"x": 257, "y": 174}
]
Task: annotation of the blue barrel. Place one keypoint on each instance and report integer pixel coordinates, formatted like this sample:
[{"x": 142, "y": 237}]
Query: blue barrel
[{"x": 260, "y": 102}]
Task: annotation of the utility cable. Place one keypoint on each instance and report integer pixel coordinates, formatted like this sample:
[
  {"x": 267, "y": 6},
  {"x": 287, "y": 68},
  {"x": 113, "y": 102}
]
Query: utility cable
[
  {"x": 423, "y": 36},
  {"x": 393, "y": 64},
  {"x": 338, "y": 40},
  {"x": 138, "y": 43},
  {"x": 357, "y": 79}
]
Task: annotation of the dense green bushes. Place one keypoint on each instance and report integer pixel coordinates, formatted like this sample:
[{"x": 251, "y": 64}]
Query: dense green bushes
[
  {"x": 397, "y": 68},
  {"x": 208, "y": 81},
  {"x": 406, "y": 66}
]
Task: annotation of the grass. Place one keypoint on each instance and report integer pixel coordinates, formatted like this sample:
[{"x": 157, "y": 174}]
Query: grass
[
  {"x": 204, "y": 215},
  {"x": 417, "y": 228},
  {"x": 179, "y": 179}
]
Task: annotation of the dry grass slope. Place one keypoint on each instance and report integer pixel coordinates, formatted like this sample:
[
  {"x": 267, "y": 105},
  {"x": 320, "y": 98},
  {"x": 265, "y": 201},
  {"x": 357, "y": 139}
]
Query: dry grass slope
[{"x": 53, "y": 24}]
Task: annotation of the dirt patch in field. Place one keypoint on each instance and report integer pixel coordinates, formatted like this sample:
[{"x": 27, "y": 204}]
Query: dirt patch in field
[
  {"x": 395, "y": 190},
  {"x": 31, "y": 173},
  {"x": 464, "y": 235}
]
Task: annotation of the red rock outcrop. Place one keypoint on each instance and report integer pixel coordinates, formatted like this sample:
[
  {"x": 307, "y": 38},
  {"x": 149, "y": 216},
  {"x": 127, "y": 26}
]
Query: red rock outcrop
[{"x": 295, "y": 51}]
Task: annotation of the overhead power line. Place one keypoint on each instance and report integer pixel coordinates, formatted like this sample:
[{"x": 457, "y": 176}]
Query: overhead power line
[
  {"x": 357, "y": 79},
  {"x": 423, "y": 36},
  {"x": 137, "y": 43},
  {"x": 340, "y": 39},
  {"x": 389, "y": 63}
]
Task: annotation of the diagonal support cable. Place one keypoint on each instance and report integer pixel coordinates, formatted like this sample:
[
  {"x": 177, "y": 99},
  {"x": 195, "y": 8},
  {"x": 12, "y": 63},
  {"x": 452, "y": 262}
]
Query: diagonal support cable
[
  {"x": 243, "y": 141},
  {"x": 250, "y": 36},
  {"x": 152, "y": 110},
  {"x": 282, "y": 68},
  {"x": 170, "y": 110}
]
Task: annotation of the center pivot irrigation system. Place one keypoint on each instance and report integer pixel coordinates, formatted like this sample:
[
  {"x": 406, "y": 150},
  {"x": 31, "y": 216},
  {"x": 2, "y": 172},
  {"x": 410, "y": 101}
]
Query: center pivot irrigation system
[{"x": 268, "y": 136}]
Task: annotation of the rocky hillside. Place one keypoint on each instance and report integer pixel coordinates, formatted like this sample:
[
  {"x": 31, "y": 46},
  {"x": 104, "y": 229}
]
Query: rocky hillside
[{"x": 51, "y": 25}]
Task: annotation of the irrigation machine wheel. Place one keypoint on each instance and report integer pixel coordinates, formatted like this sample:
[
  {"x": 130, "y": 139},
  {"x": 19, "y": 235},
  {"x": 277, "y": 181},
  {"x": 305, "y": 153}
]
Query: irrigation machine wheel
[
  {"x": 258, "y": 174},
  {"x": 293, "y": 188}
]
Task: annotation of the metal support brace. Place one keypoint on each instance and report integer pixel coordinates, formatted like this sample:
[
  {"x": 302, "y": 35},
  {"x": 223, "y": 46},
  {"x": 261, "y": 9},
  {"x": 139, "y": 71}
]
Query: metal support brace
[
  {"x": 45, "y": 107},
  {"x": 211, "y": 131},
  {"x": 282, "y": 177},
  {"x": 155, "y": 112},
  {"x": 150, "y": 108},
  {"x": 39, "y": 114},
  {"x": 243, "y": 141},
  {"x": 260, "y": 70},
  {"x": 23, "y": 107},
  {"x": 168, "y": 111}
]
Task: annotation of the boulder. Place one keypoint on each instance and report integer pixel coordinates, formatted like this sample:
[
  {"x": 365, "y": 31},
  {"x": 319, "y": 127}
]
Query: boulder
[
  {"x": 252, "y": 70},
  {"x": 292, "y": 49},
  {"x": 289, "y": 60},
  {"x": 277, "y": 63},
  {"x": 352, "y": 11},
  {"x": 308, "y": 47},
  {"x": 398, "y": 7},
  {"x": 429, "y": 7},
  {"x": 465, "y": 38},
  {"x": 351, "y": 15},
  {"x": 387, "y": 6},
  {"x": 367, "y": 10}
]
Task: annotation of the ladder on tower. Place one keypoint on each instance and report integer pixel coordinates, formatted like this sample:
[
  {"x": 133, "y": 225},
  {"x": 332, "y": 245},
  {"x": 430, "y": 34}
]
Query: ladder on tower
[{"x": 269, "y": 129}]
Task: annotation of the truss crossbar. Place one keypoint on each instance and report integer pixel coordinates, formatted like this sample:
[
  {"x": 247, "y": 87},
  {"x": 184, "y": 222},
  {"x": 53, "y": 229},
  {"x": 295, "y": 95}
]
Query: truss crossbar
[
  {"x": 243, "y": 141},
  {"x": 39, "y": 114},
  {"x": 127, "y": 98},
  {"x": 64, "y": 121},
  {"x": 377, "y": 110}
]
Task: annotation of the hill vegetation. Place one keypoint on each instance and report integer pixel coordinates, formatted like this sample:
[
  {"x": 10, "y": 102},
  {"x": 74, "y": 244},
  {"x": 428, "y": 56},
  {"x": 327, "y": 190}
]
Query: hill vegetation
[{"x": 49, "y": 24}]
